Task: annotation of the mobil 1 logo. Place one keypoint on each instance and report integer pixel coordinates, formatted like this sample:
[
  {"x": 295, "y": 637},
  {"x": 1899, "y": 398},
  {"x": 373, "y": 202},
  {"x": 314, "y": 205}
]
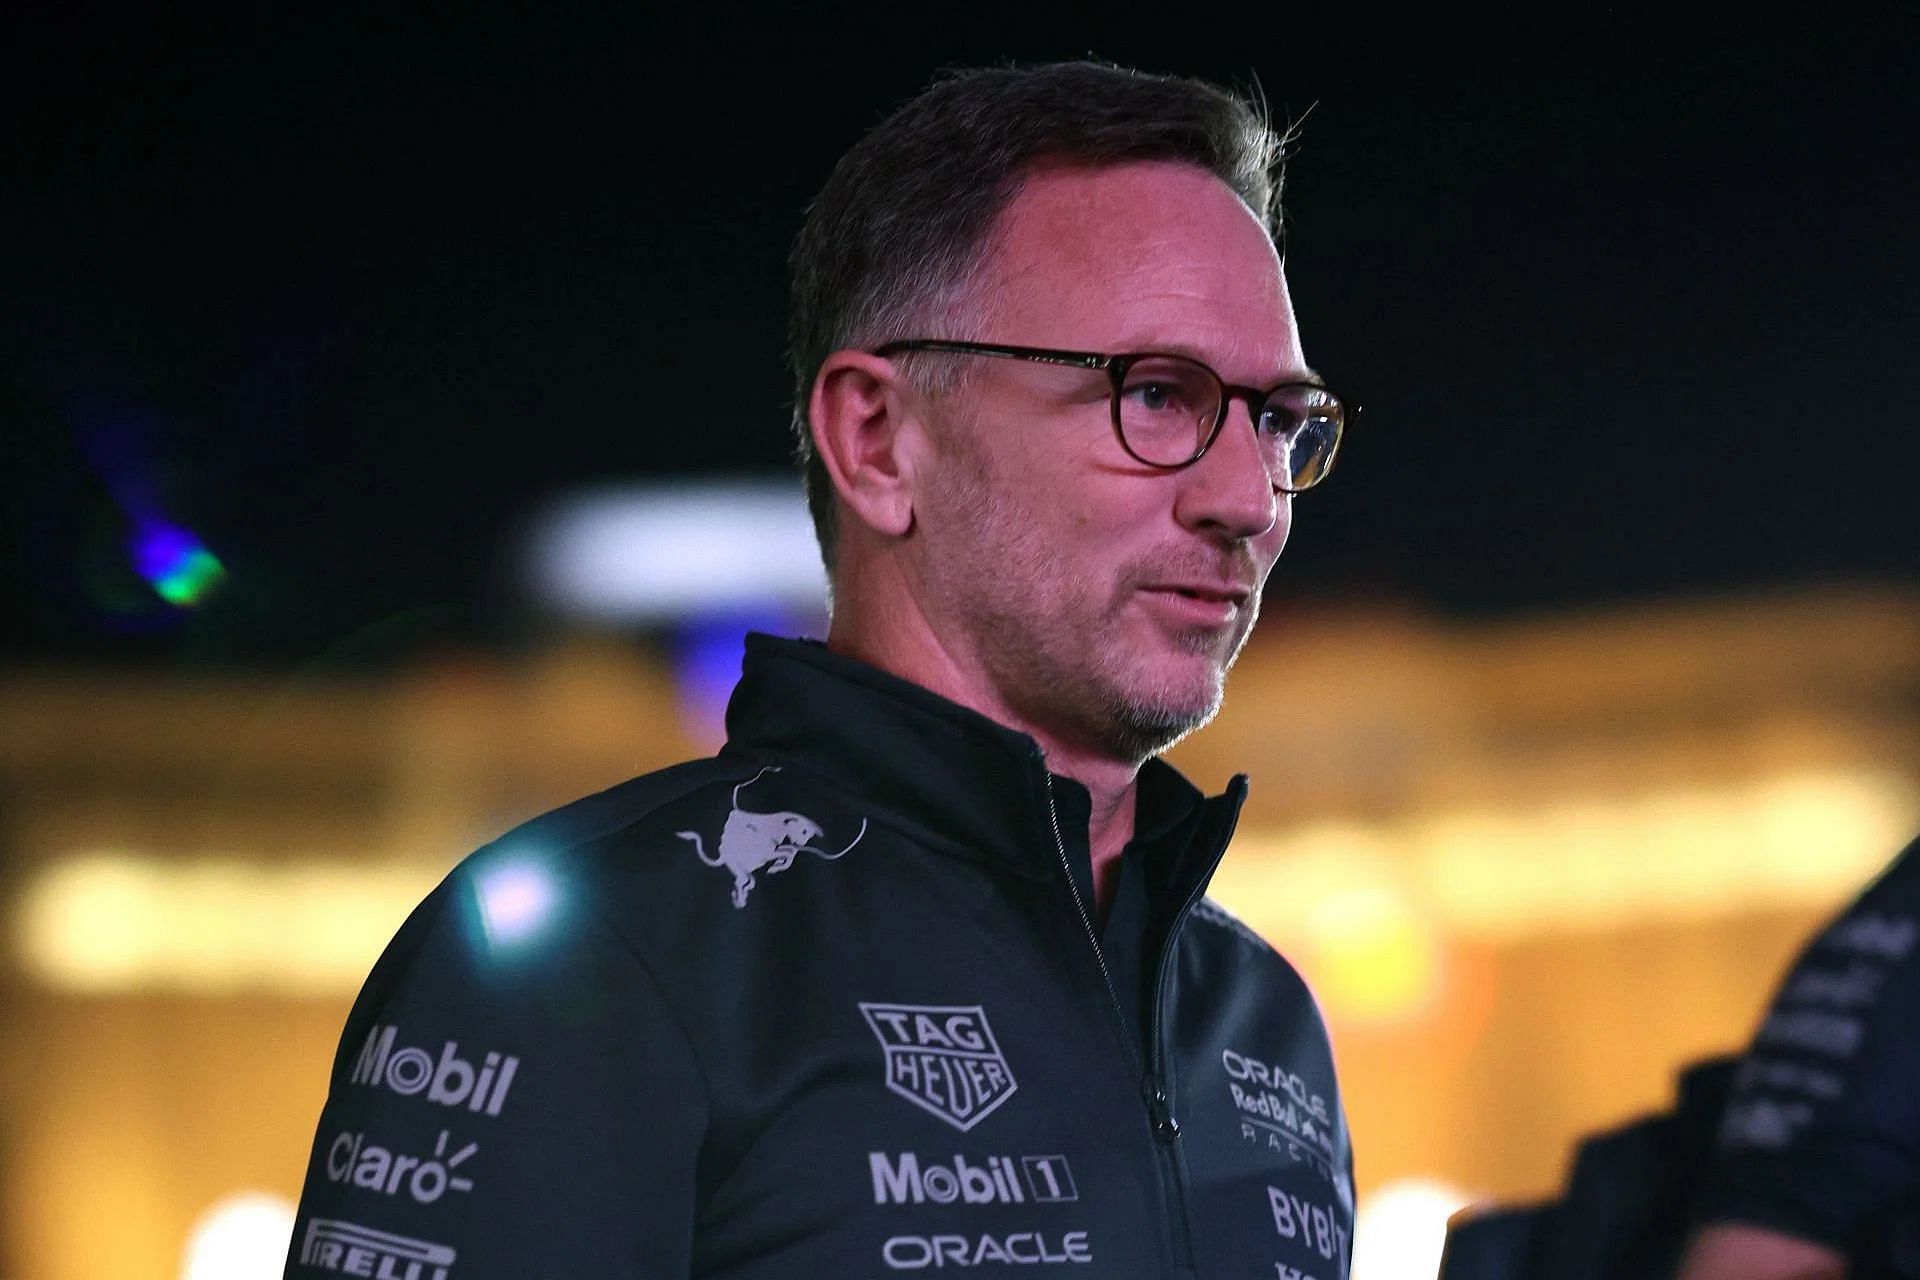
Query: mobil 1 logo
[
  {"x": 906, "y": 1179},
  {"x": 442, "y": 1074}
]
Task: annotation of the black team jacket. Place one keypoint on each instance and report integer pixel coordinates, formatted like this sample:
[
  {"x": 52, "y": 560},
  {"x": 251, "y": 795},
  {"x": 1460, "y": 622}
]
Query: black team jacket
[
  {"x": 1821, "y": 1135},
  {"x": 833, "y": 1003}
]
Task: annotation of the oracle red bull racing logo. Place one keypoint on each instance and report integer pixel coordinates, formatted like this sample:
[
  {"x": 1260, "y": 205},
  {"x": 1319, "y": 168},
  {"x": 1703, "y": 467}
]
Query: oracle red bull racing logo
[{"x": 943, "y": 1059}]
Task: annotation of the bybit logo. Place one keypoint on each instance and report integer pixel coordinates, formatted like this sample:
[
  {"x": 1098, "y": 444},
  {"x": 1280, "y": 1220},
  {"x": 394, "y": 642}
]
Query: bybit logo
[{"x": 449, "y": 1080}]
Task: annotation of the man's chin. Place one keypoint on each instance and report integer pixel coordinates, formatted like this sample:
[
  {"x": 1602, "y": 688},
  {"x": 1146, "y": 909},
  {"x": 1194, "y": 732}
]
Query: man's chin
[
  {"x": 1155, "y": 714},
  {"x": 1140, "y": 733}
]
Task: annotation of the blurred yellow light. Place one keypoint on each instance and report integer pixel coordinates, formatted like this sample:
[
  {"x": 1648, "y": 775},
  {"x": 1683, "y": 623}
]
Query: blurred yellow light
[
  {"x": 115, "y": 922},
  {"x": 1340, "y": 902},
  {"x": 1375, "y": 956},
  {"x": 1684, "y": 854},
  {"x": 1369, "y": 904},
  {"x": 243, "y": 1236},
  {"x": 89, "y": 918}
]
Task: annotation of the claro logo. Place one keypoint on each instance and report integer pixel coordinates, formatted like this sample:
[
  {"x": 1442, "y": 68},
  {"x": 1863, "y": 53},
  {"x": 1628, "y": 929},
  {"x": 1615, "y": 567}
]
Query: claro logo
[
  {"x": 446, "y": 1078},
  {"x": 353, "y": 1159}
]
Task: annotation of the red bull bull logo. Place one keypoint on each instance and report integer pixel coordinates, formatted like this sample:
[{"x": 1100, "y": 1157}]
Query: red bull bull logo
[
  {"x": 943, "y": 1059},
  {"x": 752, "y": 841}
]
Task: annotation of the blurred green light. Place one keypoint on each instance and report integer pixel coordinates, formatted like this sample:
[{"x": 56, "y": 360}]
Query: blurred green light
[
  {"x": 175, "y": 563},
  {"x": 190, "y": 579}
]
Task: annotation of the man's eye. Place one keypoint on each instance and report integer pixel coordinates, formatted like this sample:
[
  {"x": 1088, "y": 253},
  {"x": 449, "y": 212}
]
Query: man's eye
[
  {"x": 1154, "y": 395},
  {"x": 1276, "y": 420}
]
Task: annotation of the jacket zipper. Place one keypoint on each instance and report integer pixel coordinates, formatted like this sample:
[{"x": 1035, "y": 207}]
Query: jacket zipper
[
  {"x": 1160, "y": 1078},
  {"x": 1166, "y": 1129}
]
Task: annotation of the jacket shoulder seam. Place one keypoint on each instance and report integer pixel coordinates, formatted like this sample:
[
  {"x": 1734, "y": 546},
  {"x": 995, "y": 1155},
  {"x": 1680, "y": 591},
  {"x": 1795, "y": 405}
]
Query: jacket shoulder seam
[
  {"x": 619, "y": 823},
  {"x": 1215, "y": 914}
]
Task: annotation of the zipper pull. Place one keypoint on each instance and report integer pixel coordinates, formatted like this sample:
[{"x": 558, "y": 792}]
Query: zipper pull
[{"x": 1160, "y": 1109}]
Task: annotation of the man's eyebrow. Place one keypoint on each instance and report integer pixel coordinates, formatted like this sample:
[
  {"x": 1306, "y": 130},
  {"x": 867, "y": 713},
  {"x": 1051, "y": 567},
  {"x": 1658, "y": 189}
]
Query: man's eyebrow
[
  {"x": 1148, "y": 347},
  {"x": 1309, "y": 376},
  {"x": 1303, "y": 376}
]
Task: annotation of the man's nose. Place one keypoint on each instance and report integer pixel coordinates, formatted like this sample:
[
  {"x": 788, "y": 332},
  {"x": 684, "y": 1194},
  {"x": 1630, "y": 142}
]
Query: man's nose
[{"x": 1229, "y": 490}]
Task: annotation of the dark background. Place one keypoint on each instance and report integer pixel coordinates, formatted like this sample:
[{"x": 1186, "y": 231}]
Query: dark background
[{"x": 1631, "y": 308}]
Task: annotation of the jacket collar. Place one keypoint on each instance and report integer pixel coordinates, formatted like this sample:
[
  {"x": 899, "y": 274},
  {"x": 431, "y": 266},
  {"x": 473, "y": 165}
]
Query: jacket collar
[{"x": 949, "y": 776}]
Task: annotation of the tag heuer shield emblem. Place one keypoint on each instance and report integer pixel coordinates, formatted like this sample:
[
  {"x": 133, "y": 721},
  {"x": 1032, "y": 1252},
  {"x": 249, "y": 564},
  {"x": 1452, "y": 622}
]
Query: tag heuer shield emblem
[{"x": 942, "y": 1058}]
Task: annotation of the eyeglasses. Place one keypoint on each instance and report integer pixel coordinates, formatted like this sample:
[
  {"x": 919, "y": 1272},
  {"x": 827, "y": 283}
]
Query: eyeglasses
[{"x": 1168, "y": 410}]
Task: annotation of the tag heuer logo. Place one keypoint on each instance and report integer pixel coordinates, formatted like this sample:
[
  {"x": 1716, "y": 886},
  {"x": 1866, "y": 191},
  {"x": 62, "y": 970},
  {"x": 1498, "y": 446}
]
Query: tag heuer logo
[{"x": 943, "y": 1059}]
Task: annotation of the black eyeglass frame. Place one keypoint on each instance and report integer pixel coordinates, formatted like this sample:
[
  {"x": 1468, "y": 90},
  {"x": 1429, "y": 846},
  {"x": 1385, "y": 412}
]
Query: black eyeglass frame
[{"x": 1115, "y": 365}]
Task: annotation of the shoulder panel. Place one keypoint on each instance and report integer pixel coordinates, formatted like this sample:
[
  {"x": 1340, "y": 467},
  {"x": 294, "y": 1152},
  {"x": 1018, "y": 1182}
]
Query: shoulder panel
[{"x": 1215, "y": 914}]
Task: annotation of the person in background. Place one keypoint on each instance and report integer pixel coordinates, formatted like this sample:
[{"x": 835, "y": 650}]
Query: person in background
[
  {"x": 1818, "y": 1156},
  {"x": 918, "y": 973}
]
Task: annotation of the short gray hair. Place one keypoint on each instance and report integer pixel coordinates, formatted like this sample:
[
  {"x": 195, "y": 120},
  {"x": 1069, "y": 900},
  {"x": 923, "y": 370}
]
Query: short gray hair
[{"x": 891, "y": 244}]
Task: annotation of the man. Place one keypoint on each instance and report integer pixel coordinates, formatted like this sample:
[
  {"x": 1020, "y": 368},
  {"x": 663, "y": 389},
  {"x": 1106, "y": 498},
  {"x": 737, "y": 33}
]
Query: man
[
  {"x": 916, "y": 975},
  {"x": 1817, "y": 1175}
]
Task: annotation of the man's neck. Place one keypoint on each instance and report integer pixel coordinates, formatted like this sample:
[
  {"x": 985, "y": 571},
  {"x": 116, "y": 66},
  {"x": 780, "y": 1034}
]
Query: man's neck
[
  {"x": 1107, "y": 835},
  {"x": 902, "y": 644}
]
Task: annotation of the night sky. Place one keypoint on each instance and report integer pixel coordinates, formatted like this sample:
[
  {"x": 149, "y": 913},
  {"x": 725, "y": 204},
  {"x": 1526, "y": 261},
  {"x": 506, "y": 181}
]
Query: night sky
[{"x": 1632, "y": 310}]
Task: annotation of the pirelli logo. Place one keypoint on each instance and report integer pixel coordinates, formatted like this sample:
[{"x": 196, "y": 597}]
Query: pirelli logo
[{"x": 354, "y": 1250}]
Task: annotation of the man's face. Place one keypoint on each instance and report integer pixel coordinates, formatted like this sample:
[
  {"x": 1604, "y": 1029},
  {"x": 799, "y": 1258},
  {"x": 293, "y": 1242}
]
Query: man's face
[{"x": 1104, "y": 600}]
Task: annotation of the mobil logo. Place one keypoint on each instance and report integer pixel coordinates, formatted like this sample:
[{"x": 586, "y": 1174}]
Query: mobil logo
[
  {"x": 943, "y": 1059},
  {"x": 442, "y": 1074},
  {"x": 906, "y": 1179}
]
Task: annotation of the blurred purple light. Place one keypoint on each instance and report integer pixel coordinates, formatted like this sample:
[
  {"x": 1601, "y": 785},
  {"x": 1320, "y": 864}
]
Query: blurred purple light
[
  {"x": 706, "y": 664},
  {"x": 177, "y": 564},
  {"x": 159, "y": 549}
]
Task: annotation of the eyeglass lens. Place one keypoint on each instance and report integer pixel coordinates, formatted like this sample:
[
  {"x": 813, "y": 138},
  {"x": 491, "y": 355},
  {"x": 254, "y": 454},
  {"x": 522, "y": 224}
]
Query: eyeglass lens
[{"x": 1167, "y": 407}]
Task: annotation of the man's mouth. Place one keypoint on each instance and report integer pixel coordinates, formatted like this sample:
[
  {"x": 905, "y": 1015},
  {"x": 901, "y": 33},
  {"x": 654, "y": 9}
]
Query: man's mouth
[
  {"x": 1210, "y": 592},
  {"x": 1202, "y": 604}
]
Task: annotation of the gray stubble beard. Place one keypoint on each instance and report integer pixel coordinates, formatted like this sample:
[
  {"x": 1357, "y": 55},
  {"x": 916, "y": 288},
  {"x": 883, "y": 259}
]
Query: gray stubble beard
[
  {"x": 1133, "y": 728},
  {"x": 1140, "y": 728}
]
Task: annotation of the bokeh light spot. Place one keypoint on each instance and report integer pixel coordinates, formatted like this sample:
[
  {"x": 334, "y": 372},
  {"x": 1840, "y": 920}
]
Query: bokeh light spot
[
  {"x": 1377, "y": 956},
  {"x": 111, "y": 921},
  {"x": 88, "y": 922},
  {"x": 708, "y": 648},
  {"x": 515, "y": 900},
  {"x": 243, "y": 1236},
  {"x": 1401, "y": 1229},
  {"x": 176, "y": 564}
]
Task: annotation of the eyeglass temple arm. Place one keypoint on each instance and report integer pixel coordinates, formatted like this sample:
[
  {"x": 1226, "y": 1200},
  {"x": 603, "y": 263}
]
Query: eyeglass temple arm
[{"x": 1040, "y": 355}]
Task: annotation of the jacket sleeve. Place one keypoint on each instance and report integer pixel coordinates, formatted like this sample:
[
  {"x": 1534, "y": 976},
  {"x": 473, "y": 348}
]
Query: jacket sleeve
[
  {"x": 512, "y": 1097},
  {"x": 1821, "y": 1136}
]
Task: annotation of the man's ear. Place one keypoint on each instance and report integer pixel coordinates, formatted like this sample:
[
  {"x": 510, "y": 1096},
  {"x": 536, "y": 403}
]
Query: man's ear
[{"x": 863, "y": 430}]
